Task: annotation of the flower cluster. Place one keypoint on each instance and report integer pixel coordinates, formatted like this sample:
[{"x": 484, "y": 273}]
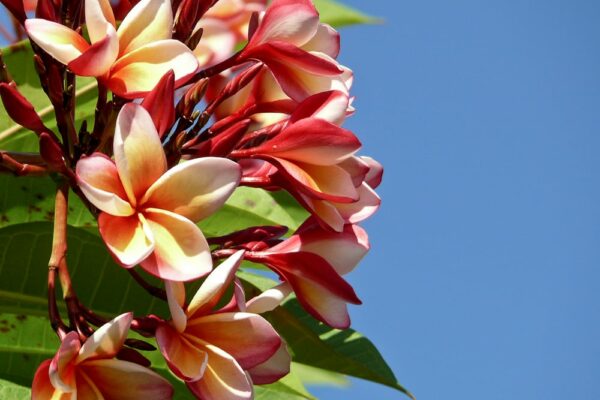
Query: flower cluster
[{"x": 195, "y": 99}]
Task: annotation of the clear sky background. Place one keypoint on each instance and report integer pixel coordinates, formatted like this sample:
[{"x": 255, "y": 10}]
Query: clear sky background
[
  {"x": 484, "y": 280},
  {"x": 484, "y": 277}
]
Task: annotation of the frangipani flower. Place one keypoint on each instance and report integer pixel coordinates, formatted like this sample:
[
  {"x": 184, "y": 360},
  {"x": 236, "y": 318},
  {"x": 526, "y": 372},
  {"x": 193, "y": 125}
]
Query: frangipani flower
[
  {"x": 129, "y": 61},
  {"x": 148, "y": 212},
  {"x": 311, "y": 262},
  {"x": 298, "y": 49},
  {"x": 90, "y": 372},
  {"x": 212, "y": 350}
]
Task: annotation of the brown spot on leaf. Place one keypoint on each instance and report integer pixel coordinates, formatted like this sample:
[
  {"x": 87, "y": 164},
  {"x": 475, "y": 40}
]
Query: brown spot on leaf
[
  {"x": 250, "y": 203},
  {"x": 21, "y": 317},
  {"x": 24, "y": 188},
  {"x": 4, "y": 329},
  {"x": 33, "y": 208},
  {"x": 39, "y": 196}
]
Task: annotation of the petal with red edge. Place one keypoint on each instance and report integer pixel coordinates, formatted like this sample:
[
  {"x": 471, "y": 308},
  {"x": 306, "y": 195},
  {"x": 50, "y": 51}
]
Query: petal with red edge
[
  {"x": 181, "y": 252},
  {"x": 313, "y": 141},
  {"x": 42, "y": 388},
  {"x": 138, "y": 72},
  {"x": 321, "y": 303},
  {"x": 97, "y": 60},
  {"x": 211, "y": 290},
  {"x": 128, "y": 238},
  {"x": 107, "y": 340},
  {"x": 223, "y": 379},
  {"x": 125, "y": 380},
  {"x": 375, "y": 174},
  {"x": 186, "y": 361},
  {"x": 257, "y": 344},
  {"x": 273, "y": 369},
  {"x": 62, "y": 367},
  {"x": 99, "y": 181},
  {"x": 138, "y": 151},
  {"x": 147, "y": 22},
  {"x": 194, "y": 189},
  {"x": 60, "y": 42}
]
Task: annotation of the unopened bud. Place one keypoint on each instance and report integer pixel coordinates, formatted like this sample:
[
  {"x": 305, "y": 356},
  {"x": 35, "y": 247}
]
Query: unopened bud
[{"x": 20, "y": 109}]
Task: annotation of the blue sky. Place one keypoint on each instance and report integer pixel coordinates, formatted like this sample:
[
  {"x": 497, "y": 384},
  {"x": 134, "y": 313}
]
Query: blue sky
[{"x": 483, "y": 281}]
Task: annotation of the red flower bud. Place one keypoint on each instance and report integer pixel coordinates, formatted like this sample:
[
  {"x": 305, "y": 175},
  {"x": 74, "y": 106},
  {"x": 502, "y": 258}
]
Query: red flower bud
[{"x": 20, "y": 109}]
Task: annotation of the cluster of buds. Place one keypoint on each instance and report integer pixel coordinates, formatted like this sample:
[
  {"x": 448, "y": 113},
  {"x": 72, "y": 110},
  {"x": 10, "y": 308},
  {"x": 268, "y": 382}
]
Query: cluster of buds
[{"x": 182, "y": 120}]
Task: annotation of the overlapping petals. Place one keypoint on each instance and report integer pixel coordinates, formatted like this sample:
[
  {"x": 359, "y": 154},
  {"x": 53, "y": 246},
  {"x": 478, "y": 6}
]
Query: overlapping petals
[
  {"x": 204, "y": 346},
  {"x": 311, "y": 262},
  {"x": 298, "y": 49},
  {"x": 148, "y": 212},
  {"x": 90, "y": 372},
  {"x": 129, "y": 60}
]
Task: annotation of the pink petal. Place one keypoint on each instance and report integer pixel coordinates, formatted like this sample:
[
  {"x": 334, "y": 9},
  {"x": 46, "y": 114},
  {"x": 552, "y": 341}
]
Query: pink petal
[
  {"x": 257, "y": 344},
  {"x": 138, "y": 72},
  {"x": 62, "y": 366},
  {"x": 98, "y": 17},
  {"x": 181, "y": 252},
  {"x": 60, "y": 42},
  {"x": 107, "y": 340},
  {"x": 367, "y": 204},
  {"x": 273, "y": 369},
  {"x": 270, "y": 299},
  {"x": 99, "y": 181},
  {"x": 330, "y": 106},
  {"x": 186, "y": 360},
  {"x": 291, "y": 21},
  {"x": 129, "y": 239},
  {"x": 223, "y": 379},
  {"x": 125, "y": 380},
  {"x": 97, "y": 60},
  {"x": 357, "y": 169},
  {"x": 322, "y": 182},
  {"x": 211, "y": 290},
  {"x": 194, "y": 189},
  {"x": 176, "y": 299},
  {"x": 138, "y": 152},
  {"x": 375, "y": 175},
  {"x": 322, "y": 304},
  {"x": 42, "y": 388},
  {"x": 148, "y": 21},
  {"x": 325, "y": 211},
  {"x": 326, "y": 40}
]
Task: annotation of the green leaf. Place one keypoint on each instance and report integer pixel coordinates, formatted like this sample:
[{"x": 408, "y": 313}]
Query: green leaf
[
  {"x": 338, "y": 15},
  {"x": 99, "y": 282},
  {"x": 11, "y": 391},
  {"x": 31, "y": 199},
  {"x": 254, "y": 207},
  {"x": 19, "y": 60}
]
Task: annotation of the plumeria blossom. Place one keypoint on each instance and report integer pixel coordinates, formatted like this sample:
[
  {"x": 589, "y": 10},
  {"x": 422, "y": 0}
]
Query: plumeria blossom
[
  {"x": 212, "y": 350},
  {"x": 148, "y": 211},
  {"x": 129, "y": 60},
  {"x": 89, "y": 371},
  {"x": 298, "y": 49},
  {"x": 311, "y": 263}
]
